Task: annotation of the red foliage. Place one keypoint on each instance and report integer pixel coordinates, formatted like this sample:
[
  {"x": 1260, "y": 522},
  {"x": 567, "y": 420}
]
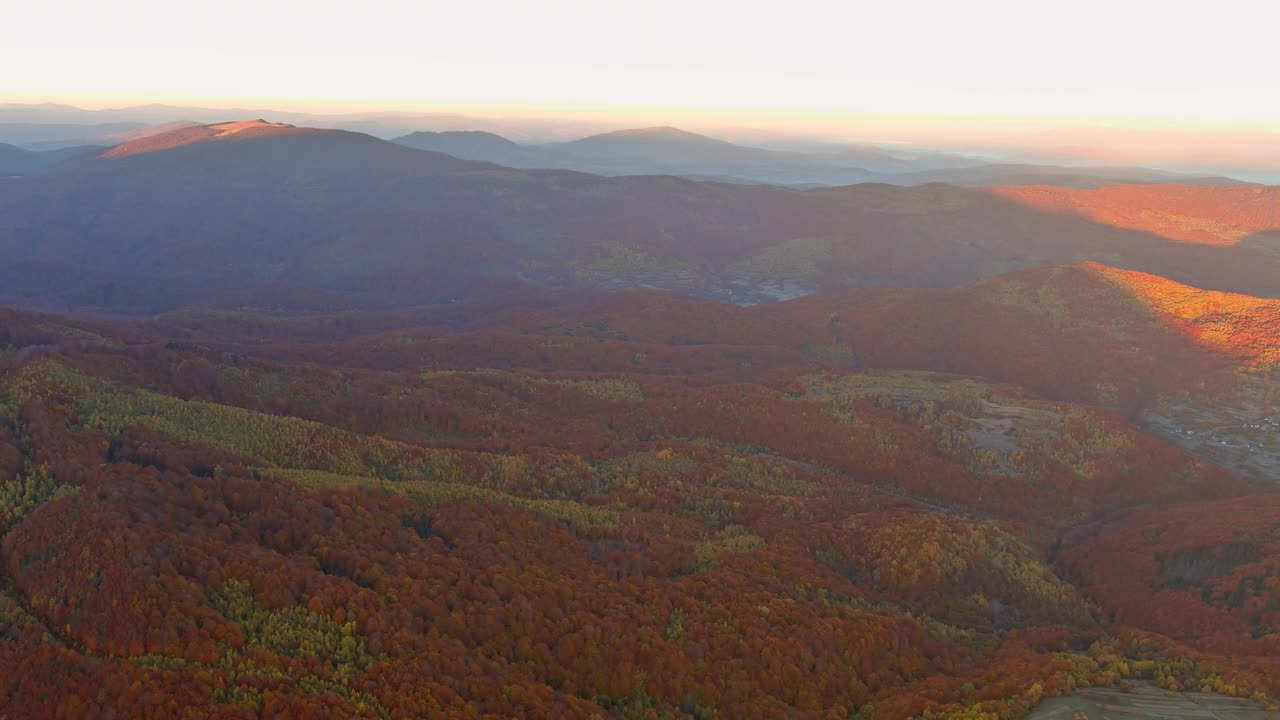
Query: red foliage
[{"x": 768, "y": 557}]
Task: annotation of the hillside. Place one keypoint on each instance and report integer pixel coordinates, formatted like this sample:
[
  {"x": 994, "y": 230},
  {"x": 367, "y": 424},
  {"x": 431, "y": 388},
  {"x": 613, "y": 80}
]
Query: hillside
[
  {"x": 1084, "y": 334},
  {"x": 16, "y": 161},
  {"x": 626, "y": 505},
  {"x": 157, "y": 129},
  {"x": 57, "y": 136},
  {"x": 194, "y": 134},
  {"x": 194, "y": 215},
  {"x": 481, "y": 147},
  {"x": 1204, "y": 574},
  {"x": 54, "y": 135},
  {"x": 639, "y": 361},
  {"x": 672, "y": 151},
  {"x": 1242, "y": 327},
  {"x": 1221, "y": 216},
  {"x": 648, "y": 151},
  {"x": 1057, "y": 176},
  {"x": 678, "y": 150}
]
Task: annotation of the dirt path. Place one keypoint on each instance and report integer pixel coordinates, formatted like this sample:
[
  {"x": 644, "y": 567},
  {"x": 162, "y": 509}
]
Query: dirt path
[{"x": 1144, "y": 700}]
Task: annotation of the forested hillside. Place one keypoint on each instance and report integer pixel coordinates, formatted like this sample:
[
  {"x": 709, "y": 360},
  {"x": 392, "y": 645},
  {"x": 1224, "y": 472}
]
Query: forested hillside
[
  {"x": 881, "y": 504},
  {"x": 208, "y": 214},
  {"x": 572, "y": 360}
]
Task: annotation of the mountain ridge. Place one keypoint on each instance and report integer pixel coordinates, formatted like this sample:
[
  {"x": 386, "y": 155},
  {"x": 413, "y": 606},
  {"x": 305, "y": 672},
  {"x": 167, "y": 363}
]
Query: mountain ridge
[
  {"x": 347, "y": 213},
  {"x": 1187, "y": 213},
  {"x": 668, "y": 150},
  {"x": 968, "y": 468},
  {"x": 193, "y": 134}
]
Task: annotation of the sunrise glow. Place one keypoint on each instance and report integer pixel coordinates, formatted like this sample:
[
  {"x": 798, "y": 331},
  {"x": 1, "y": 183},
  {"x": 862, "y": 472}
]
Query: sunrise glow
[{"x": 994, "y": 65}]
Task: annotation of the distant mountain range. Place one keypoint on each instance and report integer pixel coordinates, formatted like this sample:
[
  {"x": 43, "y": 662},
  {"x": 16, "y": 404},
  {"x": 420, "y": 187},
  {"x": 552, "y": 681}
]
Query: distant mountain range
[
  {"x": 210, "y": 212},
  {"x": 670, "y": 151},
  {"x": 1079, "y": 158},
  {"x": 51, "y": 136},
  {"x": 21, "y": 161},
  {"x": 41, "y": 137},
  {"x": 378, "y": 124}
]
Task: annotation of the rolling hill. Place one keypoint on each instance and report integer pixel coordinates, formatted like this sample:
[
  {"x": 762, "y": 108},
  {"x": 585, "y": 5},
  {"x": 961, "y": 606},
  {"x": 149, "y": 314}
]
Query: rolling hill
[
  {"x": 54, "y": 136},
  {"x": 480, "y": 146},
  {"x": 647, "y": 151},
  {"x": 1195, "y": 367},
  {"x": 671, "y": 151},
  {"x": 16, "y": 161},
  {"x": 942, "y": 330},
  {"x": 197, "y": 134},
  {"x": 895, "y": 502},
  {"x": 1203, "y": 573},
  {"x": 1064, "y": 176},
  {"x": 1194, "y": 214},
  {"x": 198, "y": 214},
  {"x": 46, "y": 135}
]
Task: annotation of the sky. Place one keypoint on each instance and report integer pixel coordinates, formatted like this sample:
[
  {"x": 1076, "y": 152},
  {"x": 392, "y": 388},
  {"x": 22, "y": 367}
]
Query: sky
[{"x": 1134, "y": 62}]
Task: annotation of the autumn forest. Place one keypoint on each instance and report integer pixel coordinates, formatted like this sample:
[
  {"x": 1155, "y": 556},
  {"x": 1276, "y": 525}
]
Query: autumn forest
[{"x": 562, "y": 446}]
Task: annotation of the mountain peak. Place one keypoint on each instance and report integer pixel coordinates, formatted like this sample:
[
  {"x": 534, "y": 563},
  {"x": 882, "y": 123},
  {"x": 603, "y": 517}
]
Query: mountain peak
[
  {"x": 230, "y": 128},
  {"x": 659, "y": 132},
  {"x": 470, "y": 137},
  {"x": 183, "y": 136},
  {"x": 655, "y": 131}
]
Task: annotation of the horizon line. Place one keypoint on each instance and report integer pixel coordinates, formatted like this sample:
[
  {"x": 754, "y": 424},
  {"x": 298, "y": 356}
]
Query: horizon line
[{"x": 600, "y": 113}]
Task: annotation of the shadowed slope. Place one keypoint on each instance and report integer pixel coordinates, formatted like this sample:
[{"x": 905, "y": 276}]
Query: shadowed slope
[
  {"x": 18, "y": 161},
  {"x": 1070, "y": 332},
  {"x": 1207, "y": 572},
  {"x": 1080, "y": 332}
]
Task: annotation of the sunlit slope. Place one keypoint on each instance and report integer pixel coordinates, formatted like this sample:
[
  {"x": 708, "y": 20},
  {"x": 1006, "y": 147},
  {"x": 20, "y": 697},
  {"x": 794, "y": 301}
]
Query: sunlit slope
[
  {"x": 1208, "y": 215},
  {"x": 181, "y": 137},
  {"x": 1243, "y": 327}
]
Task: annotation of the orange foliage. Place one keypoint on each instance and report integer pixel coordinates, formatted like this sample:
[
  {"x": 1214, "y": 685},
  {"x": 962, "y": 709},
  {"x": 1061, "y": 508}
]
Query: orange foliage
[
  {"x": 1243, "y": 327},
  {"x": 1210, "y": 215}
]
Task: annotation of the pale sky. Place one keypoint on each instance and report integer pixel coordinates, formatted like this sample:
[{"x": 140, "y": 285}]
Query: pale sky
[{"x": 1172, "y": 61}]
